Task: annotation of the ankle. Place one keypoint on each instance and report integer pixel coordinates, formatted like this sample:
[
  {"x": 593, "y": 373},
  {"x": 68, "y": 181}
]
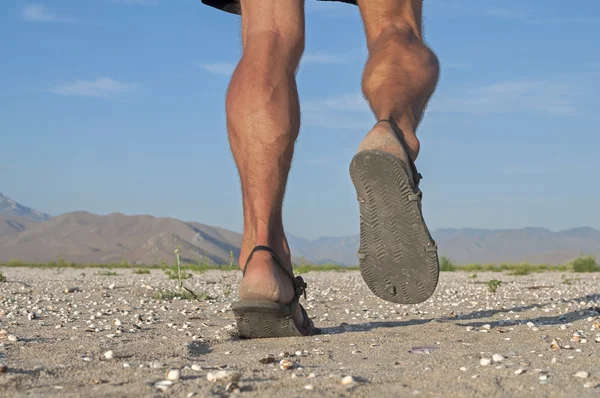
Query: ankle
[{"x": 275, "y": 241}]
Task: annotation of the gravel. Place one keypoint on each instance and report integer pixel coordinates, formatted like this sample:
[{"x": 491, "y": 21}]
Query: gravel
[{"x": 82, "y": 334}]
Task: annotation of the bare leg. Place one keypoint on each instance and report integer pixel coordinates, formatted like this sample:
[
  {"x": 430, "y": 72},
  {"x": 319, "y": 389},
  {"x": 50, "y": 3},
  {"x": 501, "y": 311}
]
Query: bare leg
[
  {"x": 263, "y": 119},
  {"x": 400, "y": 74}
]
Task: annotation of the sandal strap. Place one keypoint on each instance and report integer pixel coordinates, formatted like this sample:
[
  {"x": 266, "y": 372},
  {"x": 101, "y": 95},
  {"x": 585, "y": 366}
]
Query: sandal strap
[
  {"x": 416, "y": 175},
  {"x": 299, "y": 284}
]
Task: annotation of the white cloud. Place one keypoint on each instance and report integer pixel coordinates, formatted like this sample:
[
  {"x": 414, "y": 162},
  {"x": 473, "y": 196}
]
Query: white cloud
[
  {"x": 549, "y": 98},
  {"x": 219, "y": 68},
  {"x": 102, "y": 87},
  {"x": 39, "y": 13}
]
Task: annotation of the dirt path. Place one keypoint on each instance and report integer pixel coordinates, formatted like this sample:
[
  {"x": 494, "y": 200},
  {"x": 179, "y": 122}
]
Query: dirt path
[{"x": 60, "y": 351}]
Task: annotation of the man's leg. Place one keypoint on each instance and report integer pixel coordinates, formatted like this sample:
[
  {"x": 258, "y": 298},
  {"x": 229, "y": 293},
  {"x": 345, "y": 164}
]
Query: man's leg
[
  {"x": 398, "y": 257},
  {"x": 263, "y": 119},
  {"x": 401, "y": 72}
]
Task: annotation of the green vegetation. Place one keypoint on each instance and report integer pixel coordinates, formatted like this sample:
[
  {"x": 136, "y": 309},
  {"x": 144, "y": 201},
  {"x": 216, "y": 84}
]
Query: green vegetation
[
  {"x": 141, "y": 271},
  {"x": 107, "y": 273},
  {"x": 2, "y": 277},
  {"x": 446, "y": 265},
  {"x": 585, "y": 264},
  {"x": 303, "y": 269},
  {"x": 473, "y": 276},
  {"x": 168, "y": 295},
  {"x": 565, "y": 280},
  {"x": 581, "y": 264},
  {"x": 520, "y": 270},
  {"x": 172, "y": 274},
  {"x": 493, "y": 285},
  {"x": 516, "y": 269}
]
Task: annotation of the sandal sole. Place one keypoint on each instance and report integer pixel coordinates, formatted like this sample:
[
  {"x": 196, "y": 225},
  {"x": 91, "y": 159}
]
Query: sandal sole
[
  {"x": 397, "y": 255},
  {"x": 264, "y": 319}
]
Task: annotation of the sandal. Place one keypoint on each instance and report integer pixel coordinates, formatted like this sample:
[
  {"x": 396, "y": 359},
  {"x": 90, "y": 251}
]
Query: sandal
[
  {"x": 397, "y": 255},
  {"x": 260, "y": 319}
]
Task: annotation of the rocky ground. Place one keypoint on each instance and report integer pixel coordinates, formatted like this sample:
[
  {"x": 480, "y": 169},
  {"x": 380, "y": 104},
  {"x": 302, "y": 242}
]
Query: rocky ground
[{"x": 68, "y": 332}]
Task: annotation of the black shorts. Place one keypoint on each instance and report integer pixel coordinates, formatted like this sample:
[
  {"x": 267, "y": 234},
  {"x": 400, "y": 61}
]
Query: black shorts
[{"x": 233, "y": 6}]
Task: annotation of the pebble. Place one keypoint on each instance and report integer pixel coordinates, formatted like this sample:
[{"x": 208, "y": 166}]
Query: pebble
[
  {"x": 196, "y": 367},
  {"x": 346, "y": 380},
  {"x": 163, "y": 385},
  {"x": 286, "y": 364},
  {"x": 3, "y": 368},
  {"x": 519, "y": 371},
  {"x": 487, "y": 326},
  {"x": 308, "y": 387},
  {"x": 13, "y": 337},
  {"x": 223, "y": 376},
  {"x": 109, "y": 354},
  {"x": 173, "y": 374},
  {"x": 582, "y": 374},
  {"x": 485, "y": 361},
  {"x": 498, "y": 358}
]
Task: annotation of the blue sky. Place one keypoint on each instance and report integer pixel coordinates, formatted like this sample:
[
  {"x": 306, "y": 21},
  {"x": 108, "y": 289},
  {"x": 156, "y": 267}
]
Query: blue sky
[{"x": 118, "y": 106}]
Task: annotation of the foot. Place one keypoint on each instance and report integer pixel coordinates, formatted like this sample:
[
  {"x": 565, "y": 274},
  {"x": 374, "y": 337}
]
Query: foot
[
  {"x": 264, "y": 280},
  {"x": 382, "y": 137}
]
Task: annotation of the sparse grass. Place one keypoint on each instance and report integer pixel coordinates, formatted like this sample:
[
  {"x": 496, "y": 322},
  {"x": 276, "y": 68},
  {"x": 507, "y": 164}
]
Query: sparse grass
[
  {"x": 565, "y": 280},
  {"x": 446, "y": 265},
  {"x": 172, "y": 274},
  {"x": 303, "y": 269},
  {"x": 2, "y": 278},
  {"x": 226, "y": 281},
  {"x": 168, "y": 295},
  {"x": 493, "y": 285},
  {"x": 141, "y": 271},
  {"x": 514, "y": 269},
  {"x": 585, "y": 264},
  {"x": 473, "y": 276},
  {"x": 107, "y": 273},
  {"x": 520, "y": 270}
]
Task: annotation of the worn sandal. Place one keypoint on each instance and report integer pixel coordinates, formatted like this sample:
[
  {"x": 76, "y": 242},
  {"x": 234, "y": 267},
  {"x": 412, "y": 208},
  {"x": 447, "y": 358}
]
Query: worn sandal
[
  {"x": 260, "y": 319},
  {"x": 397, "y": 255}
]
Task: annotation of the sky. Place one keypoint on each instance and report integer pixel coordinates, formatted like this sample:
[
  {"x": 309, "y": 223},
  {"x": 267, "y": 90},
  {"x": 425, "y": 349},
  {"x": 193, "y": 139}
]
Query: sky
[{"x": 118, "y": 106}]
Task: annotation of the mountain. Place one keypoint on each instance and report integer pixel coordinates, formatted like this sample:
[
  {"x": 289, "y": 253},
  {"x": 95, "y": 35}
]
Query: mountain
[
  {"x": 9, "y": 207},
  {"x": 29, "y": 235},
  {"x": 12, "y": 225},
  {"x": 469, "y": 245},
  {"x": 86, "y": 237}
]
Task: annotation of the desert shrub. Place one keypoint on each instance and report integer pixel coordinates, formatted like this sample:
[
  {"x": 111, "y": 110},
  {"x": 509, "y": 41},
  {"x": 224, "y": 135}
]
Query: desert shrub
[
  {"x": 446, "y": 265},
  {"x": 585, "y": 264},
  {"x": 493, "y": 285}
]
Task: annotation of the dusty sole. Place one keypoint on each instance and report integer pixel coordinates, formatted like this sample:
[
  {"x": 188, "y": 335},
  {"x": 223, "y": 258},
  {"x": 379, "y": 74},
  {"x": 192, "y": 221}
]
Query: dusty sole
[
  {"x": 397, "y": 255},
  {"x": 263, "y": 319}
]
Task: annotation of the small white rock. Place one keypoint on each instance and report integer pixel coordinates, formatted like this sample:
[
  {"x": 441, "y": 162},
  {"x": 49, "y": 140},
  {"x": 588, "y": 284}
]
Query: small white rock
[
  {"x": 487, "y": 326},
  {"x": 519, "y": 371},
  {"x": 308, "y": 387},
  {"x": 498, "y": 357},
  {"x": 582, "y": 374},
  {"x": 196, "y": 367},
  {"x": 13, "y": 337},
  {"x": 348, "y": 380},
  {"x": 173, "y": 374},
  {"x": 485, "y": 361},
  {"x": 223, "y": 375},
  {"x": 286, "y": 364},
  {"x": 109, "y": 354},
  {"x": 464, "y": 369},
  {"x": 163, "y": 385}
]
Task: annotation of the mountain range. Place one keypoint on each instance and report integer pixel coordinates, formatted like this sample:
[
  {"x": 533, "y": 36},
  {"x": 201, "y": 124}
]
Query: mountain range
[{"x": 32, "y": 236}]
